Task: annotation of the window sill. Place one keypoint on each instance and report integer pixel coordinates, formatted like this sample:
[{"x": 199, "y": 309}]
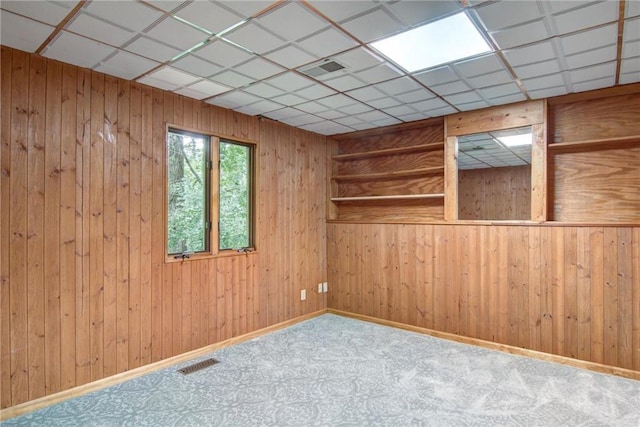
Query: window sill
[{"x": 203, "y": 256}]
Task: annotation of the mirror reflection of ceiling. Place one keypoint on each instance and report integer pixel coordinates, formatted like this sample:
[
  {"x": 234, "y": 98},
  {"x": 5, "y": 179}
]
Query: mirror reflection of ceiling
[{"x": 485, "y": 150}]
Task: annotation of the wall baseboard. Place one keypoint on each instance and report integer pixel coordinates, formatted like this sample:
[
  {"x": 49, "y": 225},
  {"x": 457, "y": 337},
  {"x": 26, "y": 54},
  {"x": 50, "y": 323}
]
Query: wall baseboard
[
  {"x": 582, "y": 364},
  {"x": 80, "y": 390}
]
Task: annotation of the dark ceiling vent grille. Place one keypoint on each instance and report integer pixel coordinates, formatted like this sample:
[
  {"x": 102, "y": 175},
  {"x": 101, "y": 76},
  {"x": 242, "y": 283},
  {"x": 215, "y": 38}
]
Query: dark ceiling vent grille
[{"x": 317, "y": 70}]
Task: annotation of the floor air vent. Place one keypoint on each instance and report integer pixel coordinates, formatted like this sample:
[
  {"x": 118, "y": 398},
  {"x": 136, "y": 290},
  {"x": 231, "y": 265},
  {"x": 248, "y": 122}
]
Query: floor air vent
[{"x": 197, "y": 366}]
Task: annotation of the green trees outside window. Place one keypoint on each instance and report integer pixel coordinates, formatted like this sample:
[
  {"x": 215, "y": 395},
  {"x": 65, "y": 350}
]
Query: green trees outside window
[{"x": 235, "y": 192}]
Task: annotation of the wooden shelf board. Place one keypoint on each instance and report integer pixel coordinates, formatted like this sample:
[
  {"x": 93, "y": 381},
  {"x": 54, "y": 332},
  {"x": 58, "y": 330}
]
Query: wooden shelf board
[
  {"x": 393, "y": 197},
  {"x": 389, "y": 151},
  {"x": 390, "y": 175},
  {"x": 595, "y": 144}
]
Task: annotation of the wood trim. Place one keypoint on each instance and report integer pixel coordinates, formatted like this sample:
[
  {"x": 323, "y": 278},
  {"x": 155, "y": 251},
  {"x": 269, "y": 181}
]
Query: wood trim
[
  {"x": 451, "y": 179},
  {"x": 621, "y": 8},
  {"x": 627, "y": 89},
  {"x": 389, "y": 152},
  {"x": 52, "y": 399},
  {"x": 580, "y": 364},
  {"x": 60, "y": 26},
  {"x": 594, "y": 144},
  {"x": 496, "y": 118},
  {"x": 539, "y": 173},
  {"x": 435, "y": 121},
  {"x": 527, "y": 223}
]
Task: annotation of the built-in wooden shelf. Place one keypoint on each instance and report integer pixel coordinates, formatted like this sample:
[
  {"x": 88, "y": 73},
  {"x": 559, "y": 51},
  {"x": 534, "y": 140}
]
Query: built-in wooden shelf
[
  {"x": 398, "y": 197},
  {"x": 391, "y": 175},
  {"x": 389, "y": 152},
  {"x": 595, "y": 144}
]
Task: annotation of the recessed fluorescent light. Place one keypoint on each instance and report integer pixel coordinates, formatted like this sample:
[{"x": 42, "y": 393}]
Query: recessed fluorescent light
[
  {"x": 515, "y": 140},
  {"x": 438, "y": 42}
]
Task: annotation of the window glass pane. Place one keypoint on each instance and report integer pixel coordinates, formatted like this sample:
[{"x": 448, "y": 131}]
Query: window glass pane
[
  {"x": 235, "y": 195},
  {"x": 187, "y": 191}
]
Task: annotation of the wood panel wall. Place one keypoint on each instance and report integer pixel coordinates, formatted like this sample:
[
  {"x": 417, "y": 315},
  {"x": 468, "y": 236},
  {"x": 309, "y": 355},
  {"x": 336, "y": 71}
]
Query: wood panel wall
[
  {"x": 571, "y": 291},
  {"x": 495, "y": 193},
  {"x": 85, "y": 292}
]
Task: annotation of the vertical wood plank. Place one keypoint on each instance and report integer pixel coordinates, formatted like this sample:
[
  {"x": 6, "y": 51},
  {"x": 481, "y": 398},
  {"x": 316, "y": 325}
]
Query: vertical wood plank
[
  {"x": 535, "y": 289},
  {"x": 583, "y": 294},
  {"x": 451, "y": 179},
  {"x": 610, "y": 296},
  {"x": 596, "y": 244},
  {"x": 570, "y": 292},
  {"x": 625, "y": 298},
  {"x": 635, "y": 340},
  {"x": 558, "y": 284},
  {"x": 546, "y": 265}
]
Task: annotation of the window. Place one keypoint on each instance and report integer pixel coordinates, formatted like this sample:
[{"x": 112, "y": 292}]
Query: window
[{"x": 199, "y": 195}]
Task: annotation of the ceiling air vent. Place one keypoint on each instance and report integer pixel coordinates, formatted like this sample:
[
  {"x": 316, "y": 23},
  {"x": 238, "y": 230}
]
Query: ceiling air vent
[{"x": 326, "y": 67}]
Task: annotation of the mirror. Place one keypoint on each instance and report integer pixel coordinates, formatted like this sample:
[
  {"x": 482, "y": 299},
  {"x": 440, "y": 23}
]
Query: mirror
[{"x": 494, "y": 175}]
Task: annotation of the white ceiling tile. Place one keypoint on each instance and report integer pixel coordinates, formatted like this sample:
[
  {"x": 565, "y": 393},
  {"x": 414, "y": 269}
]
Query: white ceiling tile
[
  {"x": 415, "y": 12},
  {"x": 591, "y": 39},
  {"x": 345, "y": 82},
  {"x": 630, "y": 78},
  {"x": 336, "y": 101},
  {"x": 173, "y": 76},
  {"x": 386, "y": 102},
  {"x": 134, "y": 16},
  {"x": 358, "y": 59},
  {"x": 311, "y": 107},
  {"x": 284, "y": 113},
  {"x": 463, "y": 98},
  {"x": 413, "y": 117},
  {"x": 548, "y": 92},
  {"x": 437, "y": 76},
  {"x": 102, "y": 31},
  {"x": 292, "y": 21},
  {"x": 586, "y": 17},
  {"x": 592, "y": 57},
  {"x": 259, "y": 69},
  {"x": 327, "y": 128},
  {"x": 387, "y": 121},
  {"x": 451, "y": 88},
  {"x": 302, "y": 120},
  {"x": 348, "y": 121},
  {"x": 355, "y": 109},
  {"x": 190, "y": 93},
  {"x": 499, "y": 91},
  {"x": 632, "y": 9},
  {"x": 496, "y": 16},
  {"x": 537, "y": 69},
  {"x": 558, "y": 6},
  {"x": 377, "y": 74},
  {"x": 442, "y": 111},
  {"x": 247, "y": 8},
  {"x": 429, "y": 105},
  {"x": 223, "y": 53},
  {"x": 364, "y": 126},
  {"x": 167, "y": 5},
  {"x": 330, "y": 114},
  {"x": 327, "y": 42},
  {"x": 264, "y": 90},
  {"x": 530, "y": 54},
  {"x": 260, "y": 107},
  {"x": 594, "y": 84},
  {"x": 290, "y": 82},
  {"x": 22, "y": 33},
  {"x": 289, "y": 99},
  {"x": 232, "y": 79},
  {"x": 630, "y": 49},
  {"x": 152, "y": 49},
  {"x": 160, "y": 84},
  {"x": 236, "y": 98},
  {"x": 126, "y": 65},
  {"x": 472, "y": 105},
  {"x": 197, "y": 66},
  {"x": 522, "y": 34},
  {"x": 209, "y": 15},
  {"x": 314, "y": 92},
  {"x": 372, "y": 116},
  {"x": 396, "y": 86},
  {"x": 175, "y": 33},
  {"x": 253, "y": 37},
  {"x": 77, "y": 50},
  {"x": 341, "y": 10},
  {"x": 48, "y": 12},
  {"x": 209, "y": 88},
  {"x": 594, "y": 72},
  {"x": 400, "y": 110},
  {"x": 366, "y": 93},
  {"x": 630, "y": 66},
  {"x": 372, "y": 26},
  {"x": 491, "y": 79},
  {"x": 291, "y": 57},
  {"x": 631, "y": 29},
  {"x": 508, "y": 99},
  {"x": 549, "y": 81},
  {"x": 414, "y": 96},
  {"x": 476, "y": 66}
]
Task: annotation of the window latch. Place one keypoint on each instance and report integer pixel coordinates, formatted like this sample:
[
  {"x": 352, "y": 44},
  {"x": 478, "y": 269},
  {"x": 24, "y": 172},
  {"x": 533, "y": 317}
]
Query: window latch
[{"x": 183, "y": 255}]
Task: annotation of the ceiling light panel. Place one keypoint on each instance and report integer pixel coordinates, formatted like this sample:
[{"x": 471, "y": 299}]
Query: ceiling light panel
[
  {"x": 209, "y": 15},
  {"x": 126, "y": 65},
  {"x": 22, "y": 33},
  {"x": 222, "y": 53},
  {"x": 373, "y": 26},
  {"x": 327, "y": 42},
  {"x": 292, "y": 21},
  {"x": 77, "y": 50},
  {"x": 255, "y": 38},
  {"x": 135, "y": 16},
  {"x": 102, "y": 31},
  {"x": 439, "y": 42},
  {"x": 48, "y": 12},
  {"x": 177, "y": 34}
]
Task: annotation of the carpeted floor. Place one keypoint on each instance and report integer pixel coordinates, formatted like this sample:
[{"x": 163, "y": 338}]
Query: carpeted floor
[{"x": 335, "y": 371}]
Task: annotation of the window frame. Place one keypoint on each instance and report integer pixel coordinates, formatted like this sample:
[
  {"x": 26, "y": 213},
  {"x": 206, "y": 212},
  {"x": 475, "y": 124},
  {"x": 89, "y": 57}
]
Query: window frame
[{"x": 213, "y": 202}]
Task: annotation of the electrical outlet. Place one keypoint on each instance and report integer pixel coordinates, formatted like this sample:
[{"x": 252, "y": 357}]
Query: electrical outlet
[
  {"x": 319, "y": 288},
  {"x": 303, "y": 295},
  {"x": 324, "y": 287}
]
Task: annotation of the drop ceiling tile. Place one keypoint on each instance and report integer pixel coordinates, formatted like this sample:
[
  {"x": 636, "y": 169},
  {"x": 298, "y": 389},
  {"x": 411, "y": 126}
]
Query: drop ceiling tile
[
  {"x": 260, "y": 107},
  {"x": 400, "y": 110},
  {"x": 522, "y": 34},
  {"x": 311, "y": 107},
  {"x": 437, "y": 76},
  {"x": 330, "y": 114},
  {"x": 167, "y": 5},
  {"x": 500, "y": 91},
  {"x": 232, "y": 79},
  {"x": 327, "y": 128},
  {"x": 152, "y": 49},
  {"x": 364, "y": 126},
  {"x": 495, "y": 16},
  {"x": 366, "y": 93},
  {"x": 22, "y": 33},
  {"x": 386, "y": 102},
  {"x": 591, "y": 39},
  {"x": 372, "y": 26},
  {"x": 48, "y": 12},
  {"x": 126, "y": 65},
  {"x": 291, "y": 57},
  {"x": 259, "y": 69},
  {"x": 632, "y": 9},
  {"x": 429, "y": 105},
  {"x": 378, "y": 74},
  {"x": 292, "y": 21},
  {"x": 630, "y": 49},
  {"x": 134, "y": 16},
  {"x": 345, "y": 82},
  {"x": 104, "y": 32},
  {"x": 209, "y": 15},
  {"x": 160, "y": 84},
  {"x": 235, "y": 99},
  {"x": 397, "y": 86},
  {"x": 549, "y": 81},
  {"x": 339, "y": 11},
  {"x": 627, "y": 78},
  {"x": 451, "y": 88},
  {"x": 290, "y": 82},
  {"x": 442, "y": 111},
  {"x": 415, "y": 12},
  {"x": 594, "y": 72},
  {"x": 175, "y": 33},
  {"x": 372, "y": 116},
  {"x": 255, "y": 38},
  {"x": 289, "y": 99},
  {"x": 414, "y": 96},
  {"x": 315, "y": 91},
  {"x": 592, "y": 57},
  {"x": 473, "y": 105},
  {"x": 223, "y": 53},
  {"x": 327, "y": 42},
  {"x": 463, "y": 98},
  {"x": 77, "y": 50},
  {"x": 209, "y": 88},
  {"x": 190, "y": 93},
  {"x": 264, "y": 90},
  {"x": 586, "y": 17},
  {"x": 247, "y": 8},
  {"x": 530, "y": 54},
  {"x": 173, "y": 76},
  {"x": 357, "y": 108},
  {"x": 631, "y": 30},
  {"x": 548, "y": 92},
  {"x": 197, "y": 66},
  {"x": 537, "y": 69},
  {"x": 358, "y": 59},
  {"x": 302, "y": 120},
  {"x": 630, "y": 66},
  {"x": 336, "y": 101},
  {"x": 508, "y": 99},
  {"x": 387, "y": 121},
  {"x": 348, "y": 121},
  {"x": 284, "y": 113},
  {"x": 413, "y": 117},
  {"x": 477, "y": 66},
  {"x": 491, "y": 79}
]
